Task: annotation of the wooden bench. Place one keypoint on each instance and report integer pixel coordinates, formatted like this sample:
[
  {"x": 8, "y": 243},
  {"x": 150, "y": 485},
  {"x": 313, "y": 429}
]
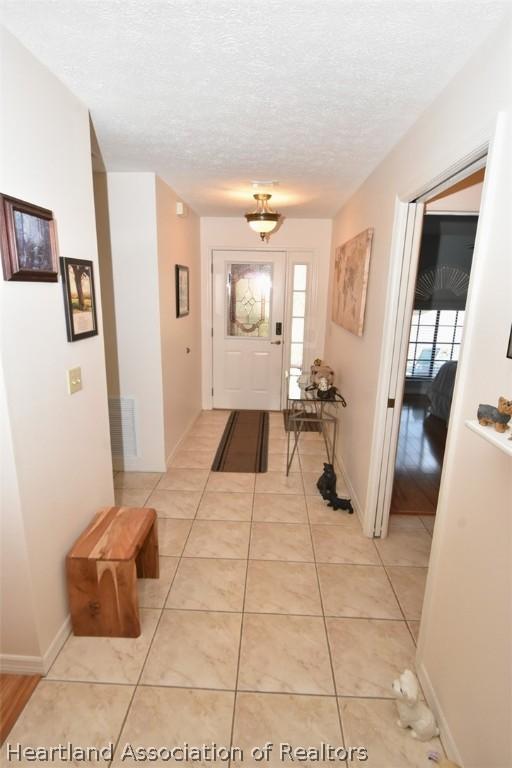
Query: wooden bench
[{"x": 120, "y": 544}]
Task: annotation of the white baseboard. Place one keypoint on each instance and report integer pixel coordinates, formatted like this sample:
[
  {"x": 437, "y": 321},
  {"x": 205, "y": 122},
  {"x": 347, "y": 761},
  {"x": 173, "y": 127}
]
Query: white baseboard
[
  {"x": 447, "y": 740},
  {"x": 352, "y": 493},
  {"x": 13, "y": 664},
  {"x": 187, "y": 429},
  {"x": 121, "y": 464},
  {"x": 10, "y": 664},
  {"x": 56, "y": 644}
]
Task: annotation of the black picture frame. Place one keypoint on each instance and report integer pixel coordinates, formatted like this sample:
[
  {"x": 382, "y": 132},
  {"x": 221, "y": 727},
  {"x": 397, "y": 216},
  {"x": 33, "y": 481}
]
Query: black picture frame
[
  {"x": 182, "y": 282},
  {"x": 81, "y": 322},
  {"x": 28, "y": 241},
  {"x": 509, "y": 348}
]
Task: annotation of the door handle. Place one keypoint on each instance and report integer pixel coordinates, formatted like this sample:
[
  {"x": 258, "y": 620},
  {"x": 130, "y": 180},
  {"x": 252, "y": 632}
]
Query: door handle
[{"x": 275, "y": 342}]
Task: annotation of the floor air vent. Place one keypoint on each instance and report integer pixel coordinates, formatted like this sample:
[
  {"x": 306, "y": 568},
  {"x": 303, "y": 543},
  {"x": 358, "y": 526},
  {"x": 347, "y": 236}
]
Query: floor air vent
[{"x": 123, "y": 433}]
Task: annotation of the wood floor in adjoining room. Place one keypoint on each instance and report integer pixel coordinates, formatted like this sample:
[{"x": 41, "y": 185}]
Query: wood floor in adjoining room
[
  {"x": 274, "y": 619},
  {"x": 419, "y": 460},
  {"x": 15, "y": 691}
]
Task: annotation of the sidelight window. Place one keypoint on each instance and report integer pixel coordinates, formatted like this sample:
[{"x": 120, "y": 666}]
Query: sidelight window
[{"x": 298, "y": 319}]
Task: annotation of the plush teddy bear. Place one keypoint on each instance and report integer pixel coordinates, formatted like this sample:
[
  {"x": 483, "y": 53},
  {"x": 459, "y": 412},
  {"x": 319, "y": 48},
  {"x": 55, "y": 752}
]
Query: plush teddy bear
[
  {"x": 500, "y": 416},
  {"x": 321, "y": 372}
]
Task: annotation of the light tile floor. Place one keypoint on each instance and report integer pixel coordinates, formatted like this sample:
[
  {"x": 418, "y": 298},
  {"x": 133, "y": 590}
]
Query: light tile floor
[{"x": 274, "y": 619}]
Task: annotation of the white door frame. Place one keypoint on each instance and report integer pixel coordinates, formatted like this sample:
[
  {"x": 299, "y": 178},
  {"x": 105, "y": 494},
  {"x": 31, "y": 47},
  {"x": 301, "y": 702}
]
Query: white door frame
[
  {"x": 399, "y": 302},
  {"x": 293, "y": 255}
]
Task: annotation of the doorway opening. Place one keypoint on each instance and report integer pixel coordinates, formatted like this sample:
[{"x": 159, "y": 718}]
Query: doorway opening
[{"x": 436, "y": 328}]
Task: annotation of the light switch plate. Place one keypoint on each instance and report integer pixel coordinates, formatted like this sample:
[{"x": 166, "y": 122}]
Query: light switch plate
[{"x": 74, "y": 380}]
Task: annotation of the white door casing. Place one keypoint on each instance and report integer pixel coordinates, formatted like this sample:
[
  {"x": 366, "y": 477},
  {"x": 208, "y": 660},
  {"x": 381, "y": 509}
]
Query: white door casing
[
  {"x": 398, "y": 358},
  {"x": 247, "y": 360},
  {"x": 405, "y": 256}
]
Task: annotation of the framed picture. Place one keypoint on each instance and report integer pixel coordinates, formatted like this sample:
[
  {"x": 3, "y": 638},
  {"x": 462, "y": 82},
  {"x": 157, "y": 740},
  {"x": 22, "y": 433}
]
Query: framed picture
[
  {"x": 27, "y": 235},
  {"x": 182, "y": 291},
  {"x": 509, "y": 348},
  {"x": 351, "y": 267},
  {"x": 79, "y": 298}
]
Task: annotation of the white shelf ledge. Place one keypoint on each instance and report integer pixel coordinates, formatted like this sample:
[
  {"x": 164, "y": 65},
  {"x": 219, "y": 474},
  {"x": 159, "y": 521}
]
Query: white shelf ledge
[{"x": 499, "y": 439}]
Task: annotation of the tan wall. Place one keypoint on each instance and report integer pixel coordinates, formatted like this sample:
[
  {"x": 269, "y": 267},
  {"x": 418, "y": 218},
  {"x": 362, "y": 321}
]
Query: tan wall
[
  {"x": 466, "y": 638},
  {"x": 464, "y": 653},
  {"x": 129, "y": 260},
  {"x": 463, "y": 198},
  {"x": 106, "y": 267},
  {"x": 18, "y": 627},
  {"x": 140, "y": 240},
  {"x": 178, "y": 243},
  {"x": 58, "y": 462}
]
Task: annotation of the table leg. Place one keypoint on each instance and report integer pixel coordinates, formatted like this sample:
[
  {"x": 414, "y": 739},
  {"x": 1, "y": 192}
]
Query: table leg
[{"x": 289, "y": 457}]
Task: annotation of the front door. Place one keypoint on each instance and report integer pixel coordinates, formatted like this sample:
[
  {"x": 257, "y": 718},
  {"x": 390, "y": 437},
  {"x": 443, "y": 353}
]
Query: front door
[{"x": 248, "y": 324}]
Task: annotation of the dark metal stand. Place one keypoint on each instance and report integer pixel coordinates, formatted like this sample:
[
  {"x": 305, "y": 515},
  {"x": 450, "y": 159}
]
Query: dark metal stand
[{"x": 309, "y": 409}]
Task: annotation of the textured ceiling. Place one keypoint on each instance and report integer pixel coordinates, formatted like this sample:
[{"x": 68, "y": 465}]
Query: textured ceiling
[{"x": 212, "y": 94}]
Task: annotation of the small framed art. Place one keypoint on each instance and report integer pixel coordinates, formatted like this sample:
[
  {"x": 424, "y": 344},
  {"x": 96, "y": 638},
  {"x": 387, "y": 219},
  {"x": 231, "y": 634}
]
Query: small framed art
[
  {"x": 509, "y": 348},
  {"x": 79, "y": 298},
  {"x": 182, "y": 291},
  {"x": 27, "y": 234}
]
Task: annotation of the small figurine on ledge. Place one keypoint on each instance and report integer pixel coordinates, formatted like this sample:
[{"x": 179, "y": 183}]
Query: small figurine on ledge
[
  {"x": 488, "y": 415},
  {"x": 326, "y": 484}
]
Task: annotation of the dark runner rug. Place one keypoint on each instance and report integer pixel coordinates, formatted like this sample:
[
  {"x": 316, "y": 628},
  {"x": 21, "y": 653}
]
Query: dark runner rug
[
  {"x": 244, "y": 444},
  {"x": 305, "y": 426}
]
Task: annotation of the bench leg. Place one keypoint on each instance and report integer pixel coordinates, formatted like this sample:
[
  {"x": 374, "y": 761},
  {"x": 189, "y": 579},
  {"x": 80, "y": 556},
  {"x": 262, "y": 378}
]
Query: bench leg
[
  {"x": 119, "y": 600},
  {"x": 148, "y": 564},
  {"x": 103, "y": 598}
]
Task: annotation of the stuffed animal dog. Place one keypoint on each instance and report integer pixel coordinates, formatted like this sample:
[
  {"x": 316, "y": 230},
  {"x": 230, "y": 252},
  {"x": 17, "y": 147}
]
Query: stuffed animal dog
[
  {"x": 326, "y": 484},
  {"x": 413, "y": 713},
  {"x": 500, "y": 416}
]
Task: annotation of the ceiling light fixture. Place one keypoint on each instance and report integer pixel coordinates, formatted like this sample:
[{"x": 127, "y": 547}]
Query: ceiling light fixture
[{"x": 263, "y": 220}]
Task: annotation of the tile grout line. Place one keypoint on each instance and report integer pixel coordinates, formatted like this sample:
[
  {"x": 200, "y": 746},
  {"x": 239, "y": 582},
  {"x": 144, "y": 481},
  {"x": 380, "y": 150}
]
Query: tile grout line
[
  {"x": 430, "y": 533},
  {"x": 270, "y": 522},
  {"x": 397, "y": 600},
  {"x": 204, "y": 491},
  {"x": 416, "y": 567},
  {"x": 385, "y": 567},
  {"x": 137, "y": 683},
  {"x": 282, "y": 613},
  {"x": 329, "y": 650},
  {"x": 221, "y": 690},
  {"x": 235, "y": 697},
  {"x": 150, "y": 646}
]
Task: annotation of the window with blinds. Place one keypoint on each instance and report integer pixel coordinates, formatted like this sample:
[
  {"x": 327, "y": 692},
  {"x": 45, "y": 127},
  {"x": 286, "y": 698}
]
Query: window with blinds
[{"x": 435, "y": 337}]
